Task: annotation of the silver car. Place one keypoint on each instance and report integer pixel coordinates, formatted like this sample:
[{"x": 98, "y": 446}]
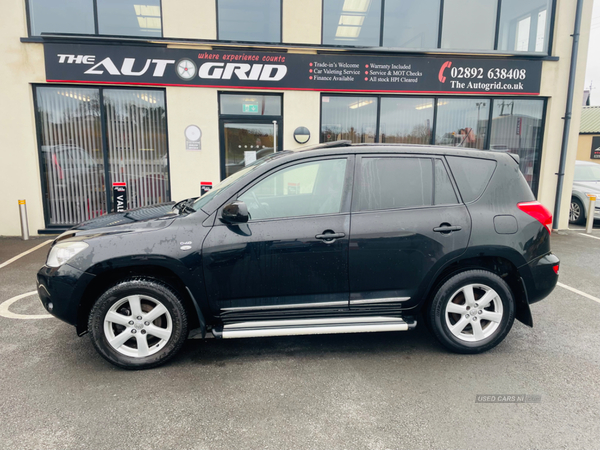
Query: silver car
[{"x": 586, "y": 181}]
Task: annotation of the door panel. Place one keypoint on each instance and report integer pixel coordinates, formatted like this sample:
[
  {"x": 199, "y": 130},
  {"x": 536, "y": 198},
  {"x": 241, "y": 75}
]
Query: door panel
[
  {"x": 391, "y": 252},
  {"x": 277, "y": 262},
  {"x": 402, "y": 208},
  {"x": 283, "y": 255}
]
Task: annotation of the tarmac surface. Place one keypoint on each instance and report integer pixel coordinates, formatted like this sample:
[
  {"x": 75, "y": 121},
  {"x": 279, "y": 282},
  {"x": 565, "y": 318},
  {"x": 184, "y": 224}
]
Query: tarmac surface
[{"x": 361, "y": 391}]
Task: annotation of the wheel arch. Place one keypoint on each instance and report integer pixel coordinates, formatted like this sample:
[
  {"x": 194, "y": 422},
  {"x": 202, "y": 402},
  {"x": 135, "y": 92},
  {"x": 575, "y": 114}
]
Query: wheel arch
[
  {"x": 105, "y": 277},
  {"x": 500, "y": 266}
]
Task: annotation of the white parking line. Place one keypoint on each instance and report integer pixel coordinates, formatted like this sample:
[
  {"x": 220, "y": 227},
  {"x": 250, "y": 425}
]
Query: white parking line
[
  {"x": 577, "y": 291},
  {"x": 4, "y": 264},
  {"x": 589, "y": 235},
  {"x": 4, "y": 311}
]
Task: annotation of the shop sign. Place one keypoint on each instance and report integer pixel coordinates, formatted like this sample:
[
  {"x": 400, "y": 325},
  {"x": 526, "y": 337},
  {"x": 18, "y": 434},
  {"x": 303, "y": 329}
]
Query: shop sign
[
  {"x": 161, "y": 66},
  {"x": 193, "y": 134},
  {"x": 249, "y": 108},
  {"x": 595, "y": 148},
  {"x": 205, "y": 186},
  {"x": 119, "y": 197}
]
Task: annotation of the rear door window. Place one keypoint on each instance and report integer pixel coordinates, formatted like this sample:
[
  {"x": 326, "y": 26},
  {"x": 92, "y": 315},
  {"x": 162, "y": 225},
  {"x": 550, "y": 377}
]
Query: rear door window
[
  {"x": 394, "y": 182},
  {"x": 472, "y": 175},
  {"x": 444, "y": 192}
]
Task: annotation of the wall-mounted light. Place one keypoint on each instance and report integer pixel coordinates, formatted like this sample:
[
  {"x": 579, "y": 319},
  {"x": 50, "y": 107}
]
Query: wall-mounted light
[{"x": 301, "y": 135}]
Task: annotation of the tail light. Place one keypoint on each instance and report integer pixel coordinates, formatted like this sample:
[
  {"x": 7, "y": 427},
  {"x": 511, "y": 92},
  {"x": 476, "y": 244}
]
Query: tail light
[{"x": 538, "y": 212}]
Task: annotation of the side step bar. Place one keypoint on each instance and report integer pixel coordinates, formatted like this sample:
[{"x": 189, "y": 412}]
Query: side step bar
[{"x": 299, "y": 327}]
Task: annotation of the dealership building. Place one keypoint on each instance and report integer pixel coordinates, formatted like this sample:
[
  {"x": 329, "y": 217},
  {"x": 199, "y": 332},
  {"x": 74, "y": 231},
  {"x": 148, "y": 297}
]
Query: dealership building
[{"x": 170, "y": 96}]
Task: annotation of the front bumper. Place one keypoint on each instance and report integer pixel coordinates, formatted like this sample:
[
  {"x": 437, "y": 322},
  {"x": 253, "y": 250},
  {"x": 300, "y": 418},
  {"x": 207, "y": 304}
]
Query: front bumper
[
  {"x": 60, "y": 289},
  {"x": 540, "y": 277}
]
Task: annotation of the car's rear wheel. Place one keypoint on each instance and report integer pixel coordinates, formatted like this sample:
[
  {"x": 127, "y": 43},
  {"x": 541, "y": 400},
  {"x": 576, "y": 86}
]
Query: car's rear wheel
[
  {"x": 576, "y": 212},
  {"x": 472, "y": 312},
  {"x": 138, "y": 324}
]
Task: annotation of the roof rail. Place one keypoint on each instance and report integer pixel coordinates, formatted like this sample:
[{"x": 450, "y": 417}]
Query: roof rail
[{"x": 329, "y": 145}]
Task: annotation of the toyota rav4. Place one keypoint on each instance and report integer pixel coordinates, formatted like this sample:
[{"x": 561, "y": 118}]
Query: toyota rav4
[{"x": 336, "y": 239}]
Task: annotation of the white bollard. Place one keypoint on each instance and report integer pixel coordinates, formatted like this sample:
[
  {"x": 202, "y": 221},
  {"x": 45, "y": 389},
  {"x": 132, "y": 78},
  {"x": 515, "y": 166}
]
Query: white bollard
[
  {"x": 591, "y": 211},
  {"x": 24, "y": 223}
]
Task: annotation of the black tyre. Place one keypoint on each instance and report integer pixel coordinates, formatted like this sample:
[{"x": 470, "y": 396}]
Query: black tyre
[
  {"x": 576, "y": 212},
  {"x": 472, "y": 312},
  {"x": 138, "y": 324}
]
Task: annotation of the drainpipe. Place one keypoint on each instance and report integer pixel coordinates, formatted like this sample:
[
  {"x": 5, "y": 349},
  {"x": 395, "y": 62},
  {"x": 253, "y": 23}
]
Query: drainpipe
[{"x": 568, "y": 111}]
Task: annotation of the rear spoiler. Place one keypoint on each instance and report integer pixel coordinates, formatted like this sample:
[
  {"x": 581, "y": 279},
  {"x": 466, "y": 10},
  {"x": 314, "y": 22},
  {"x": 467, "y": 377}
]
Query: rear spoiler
[{"x": 516, "y": 158}]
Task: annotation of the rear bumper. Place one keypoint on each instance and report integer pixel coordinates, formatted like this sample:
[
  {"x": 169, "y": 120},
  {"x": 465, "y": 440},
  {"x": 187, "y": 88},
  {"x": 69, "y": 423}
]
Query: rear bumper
[{"x": 540, "y": 277}]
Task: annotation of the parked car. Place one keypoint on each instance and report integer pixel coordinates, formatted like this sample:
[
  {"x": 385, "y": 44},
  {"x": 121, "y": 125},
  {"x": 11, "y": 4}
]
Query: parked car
[
  {"x": 586, "y": 182},
  {"x": 337, "y": 239}
]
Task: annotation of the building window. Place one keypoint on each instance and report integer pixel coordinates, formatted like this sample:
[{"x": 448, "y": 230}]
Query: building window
[
  {"x": 348, "y": 118},
  {"x": 129, "y": 17},
  {"x": 523, "y": 25},
  {"x": 406, "y": 120},
  {"x": 516, "y": 125},
  {"x": 103, "y": 17},
  {"x": 57, "y": 16},
  {"x": 517, "y": 128},
  {"x": 462, "y": 122},
  {"x": 78, "y": 170},
  {"x": 469, "y": 24},
  {"x": 250, "y": 105},
  {"x": 352, "y": 22},
  {"x": 411, "y": 24},
  {"x": 249, "y": 21}
]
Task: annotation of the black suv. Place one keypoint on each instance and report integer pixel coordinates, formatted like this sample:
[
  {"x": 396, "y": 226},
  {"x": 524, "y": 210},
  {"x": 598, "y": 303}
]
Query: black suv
[{"x": 336, "y": 239}]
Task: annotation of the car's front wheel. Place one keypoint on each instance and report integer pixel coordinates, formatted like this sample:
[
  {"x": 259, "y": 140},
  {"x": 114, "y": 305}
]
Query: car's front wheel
[
  {"x": 138, "y": 324},
  {"x": 472, "y": 312}
]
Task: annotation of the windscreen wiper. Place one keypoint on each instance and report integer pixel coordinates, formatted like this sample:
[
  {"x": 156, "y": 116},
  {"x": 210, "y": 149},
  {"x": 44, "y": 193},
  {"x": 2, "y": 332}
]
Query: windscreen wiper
[{"x": 183, "y": 206}]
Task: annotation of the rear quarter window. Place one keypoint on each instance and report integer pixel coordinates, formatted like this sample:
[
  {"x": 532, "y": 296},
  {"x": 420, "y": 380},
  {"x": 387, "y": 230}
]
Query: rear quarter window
[{"x": 472, "y": 175}]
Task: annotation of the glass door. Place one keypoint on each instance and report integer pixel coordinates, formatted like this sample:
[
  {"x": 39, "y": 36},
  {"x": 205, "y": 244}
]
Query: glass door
[
  {"x": 250, "y": 128},
  {"x": 246, "y": 142}
]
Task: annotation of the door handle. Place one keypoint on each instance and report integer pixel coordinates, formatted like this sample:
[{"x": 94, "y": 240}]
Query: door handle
[
  {"x": 447, "y": 228},
  {"x": 330, "y": 236}
]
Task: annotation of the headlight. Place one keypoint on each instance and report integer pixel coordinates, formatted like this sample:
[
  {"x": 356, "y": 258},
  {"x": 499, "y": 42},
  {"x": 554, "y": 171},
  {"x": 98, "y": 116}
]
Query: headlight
[{"x": 64, "y": 251}]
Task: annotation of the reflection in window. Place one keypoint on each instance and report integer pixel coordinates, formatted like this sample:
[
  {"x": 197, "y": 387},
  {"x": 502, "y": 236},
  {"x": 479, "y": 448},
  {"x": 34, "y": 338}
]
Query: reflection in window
[
  {"x": 245, "y": 143},
  {"x": 137, "y": 144},
  {"x": 388, "y": 183},
  {"x": 129, "y": 17},
  {"x": 249, "y": 21},
  {"x": 469, "y": 24},
  {"x": 462, "y": 122},
  {"x": 351, "y": 22},
  {"x": 71, "y": 154},
  {"x": 57, "y": 16},
  {"x": 406, "y": 120},
  {"x": 305, "y": 189},
  {"x": 348, "y": 118},
  {"x": 517, "y": 128},
  {"x": 411, "y": 24},
  {"x": 523, "y": 25}
]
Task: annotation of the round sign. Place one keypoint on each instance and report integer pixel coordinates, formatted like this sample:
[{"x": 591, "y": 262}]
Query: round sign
[
  {"x": 193, "y": 133},
  {"x": 186, "y": 69},
  {"x": 301, "y": 135}
]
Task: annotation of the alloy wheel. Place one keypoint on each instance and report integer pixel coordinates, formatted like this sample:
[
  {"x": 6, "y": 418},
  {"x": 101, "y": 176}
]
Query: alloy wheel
[
  {"x": 574, "y": 212},
  {"x": 474, "y": 312},
  {"x": 138, "y": 326}
]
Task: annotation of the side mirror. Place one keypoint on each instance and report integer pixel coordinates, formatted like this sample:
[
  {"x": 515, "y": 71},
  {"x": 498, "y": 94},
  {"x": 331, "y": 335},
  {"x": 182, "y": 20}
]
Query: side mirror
[{"x": 236, "y": 212}]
